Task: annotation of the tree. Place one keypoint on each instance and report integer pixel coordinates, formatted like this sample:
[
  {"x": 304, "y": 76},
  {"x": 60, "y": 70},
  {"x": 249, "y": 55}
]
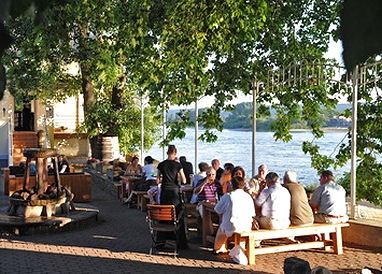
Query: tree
[
  {"x": 96, "y": 35},
  {"x": 181, "y": 51},
  {"x": 217, "y": 48}
]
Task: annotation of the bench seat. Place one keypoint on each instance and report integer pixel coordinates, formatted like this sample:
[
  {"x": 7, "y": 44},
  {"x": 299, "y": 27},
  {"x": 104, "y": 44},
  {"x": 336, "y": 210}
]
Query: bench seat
[{"x": 331, "y": 236}]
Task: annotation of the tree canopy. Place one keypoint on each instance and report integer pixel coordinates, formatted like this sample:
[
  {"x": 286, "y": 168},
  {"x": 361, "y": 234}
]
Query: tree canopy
[{"x": 177, "y": 52}]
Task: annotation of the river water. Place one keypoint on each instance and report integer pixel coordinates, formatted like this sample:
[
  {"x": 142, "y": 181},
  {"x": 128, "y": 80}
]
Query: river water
[{"x": 236, "y": 147}]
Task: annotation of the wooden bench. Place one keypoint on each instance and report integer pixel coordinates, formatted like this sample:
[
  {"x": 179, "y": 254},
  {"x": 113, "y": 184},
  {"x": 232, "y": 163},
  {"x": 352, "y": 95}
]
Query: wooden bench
[{"x": 331, "y": 236}]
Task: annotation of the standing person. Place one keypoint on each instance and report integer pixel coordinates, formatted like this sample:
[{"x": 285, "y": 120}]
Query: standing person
[
  {"x": 300, "y": 212},
  {"x": 234, "y": 218},
  {"x": 188, "y": 169},
  {"x": 63, "y": 164},
  {"x": 171, "y": 172},
  {"x": 329, "y": 201},
  {"x": 257, "y": 180},
  {"x": 216, "y": 165},
  {"x": 275, "y": 204}
]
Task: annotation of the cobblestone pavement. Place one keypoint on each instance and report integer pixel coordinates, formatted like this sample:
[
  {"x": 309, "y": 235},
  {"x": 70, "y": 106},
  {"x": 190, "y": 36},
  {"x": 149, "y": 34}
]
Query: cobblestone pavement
[{"x": 119, "y": 242}]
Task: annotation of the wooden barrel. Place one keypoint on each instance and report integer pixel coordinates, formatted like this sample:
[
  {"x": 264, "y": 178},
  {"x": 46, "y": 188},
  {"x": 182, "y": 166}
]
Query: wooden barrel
[{"x": 110, "y": 148}]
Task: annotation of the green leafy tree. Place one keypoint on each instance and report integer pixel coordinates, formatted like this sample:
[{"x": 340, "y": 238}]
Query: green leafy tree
[
  {"x": 95, "y": 35},
  {"x": 181, "y": 51}
]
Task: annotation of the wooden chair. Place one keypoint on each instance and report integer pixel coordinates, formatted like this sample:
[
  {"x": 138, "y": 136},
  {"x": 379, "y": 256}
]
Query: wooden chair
[{"x": 162, "y": 218}]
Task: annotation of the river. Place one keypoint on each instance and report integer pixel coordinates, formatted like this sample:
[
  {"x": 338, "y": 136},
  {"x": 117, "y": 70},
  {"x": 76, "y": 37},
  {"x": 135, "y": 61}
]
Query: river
[{"x": 236, "y": 147}]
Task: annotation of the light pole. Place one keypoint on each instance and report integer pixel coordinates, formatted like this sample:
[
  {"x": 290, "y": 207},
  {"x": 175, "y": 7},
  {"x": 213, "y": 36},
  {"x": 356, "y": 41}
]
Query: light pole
[
  {"x": 255, "y": 90},
  {"x": 142, "y": 127}
]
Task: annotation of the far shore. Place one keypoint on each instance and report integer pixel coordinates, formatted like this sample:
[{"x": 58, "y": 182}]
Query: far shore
[{"x": 325, "y": 129}]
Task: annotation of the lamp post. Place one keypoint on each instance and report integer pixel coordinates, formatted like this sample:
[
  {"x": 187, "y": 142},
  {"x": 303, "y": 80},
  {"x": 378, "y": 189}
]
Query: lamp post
[
  {"x": 196, "y": 135},
  {"x": 142, "y": 127},
  {"x": 255, "y": 90}
]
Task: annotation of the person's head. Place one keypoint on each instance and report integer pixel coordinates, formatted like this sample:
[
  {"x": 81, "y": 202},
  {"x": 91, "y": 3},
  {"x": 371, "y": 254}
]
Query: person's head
[
  {"x": 171, "y": 151},
  {"x": 135, "y": 160},
  {"x": 149, "y": 160},
  {"x": 215, "y": 164},
  {"x": 182, "y": 159},
  {"x": 326, "y": 176},
  {"x": 290, "y": 177},
  {"x": 238, "y": 171},
  {"x": 272, "y": 178},
  {"x": 262, "y": 171},
  {"x": 238, "y": 182},
  {"x": 203, "y": 166},
  {"x": 228, "y": 167},
  {"x": 211, "y": 174},
  {"x": 61, "y": 158}
]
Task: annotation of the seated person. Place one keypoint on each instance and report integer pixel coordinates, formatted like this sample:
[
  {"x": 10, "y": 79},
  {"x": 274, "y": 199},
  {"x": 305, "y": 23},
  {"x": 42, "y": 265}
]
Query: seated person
[
  {"x": 150, "y": 172},
  {"x": 134, "y": 168},
  {"x": 300, "y": 212},
  {"x": 203, "y": 167},
  {"x": 329, "y": 201},
  {"x": 225, "y": 179},
  {"x": 63, "y": 164},
  {"x": 150, "y": 178},
  {"x": 234, "y": 218},
  {"x": 207, "y": 189},
  {"x": 257, "y": 180},
  {"x": 274, "y": 201},
  {"x": 154, "y": 194}
]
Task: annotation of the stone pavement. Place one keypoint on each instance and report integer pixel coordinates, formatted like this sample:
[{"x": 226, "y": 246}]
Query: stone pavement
[{"x": 119, "y": 242}]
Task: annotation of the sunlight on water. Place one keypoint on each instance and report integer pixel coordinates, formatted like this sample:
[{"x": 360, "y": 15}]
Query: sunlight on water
[{"x": 236, "y": 147}]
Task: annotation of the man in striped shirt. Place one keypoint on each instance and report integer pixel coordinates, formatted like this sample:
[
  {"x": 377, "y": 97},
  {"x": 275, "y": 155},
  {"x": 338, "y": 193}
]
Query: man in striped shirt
[{"x": 207, "y": 189}]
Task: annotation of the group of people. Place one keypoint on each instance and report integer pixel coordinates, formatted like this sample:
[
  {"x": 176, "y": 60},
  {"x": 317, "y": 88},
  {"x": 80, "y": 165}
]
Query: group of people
[
  {"x": 261, "y": 202},
  {"x": 148, "y": 171},
  {"x": 277, "y": 206}
]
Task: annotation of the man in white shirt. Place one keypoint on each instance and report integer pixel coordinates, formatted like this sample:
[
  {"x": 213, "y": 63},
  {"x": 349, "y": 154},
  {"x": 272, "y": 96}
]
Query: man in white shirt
[
  {"x": 274, "y": 201},
  {"x": 238, "y": 212}
]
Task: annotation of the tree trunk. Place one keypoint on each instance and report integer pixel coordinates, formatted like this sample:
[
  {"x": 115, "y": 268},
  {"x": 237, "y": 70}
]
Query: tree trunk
[{"x": 89, "y": 99}]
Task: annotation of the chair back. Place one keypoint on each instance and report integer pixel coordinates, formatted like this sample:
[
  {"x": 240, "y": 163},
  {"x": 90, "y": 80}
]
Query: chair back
[{"x": 161, "y": 212}]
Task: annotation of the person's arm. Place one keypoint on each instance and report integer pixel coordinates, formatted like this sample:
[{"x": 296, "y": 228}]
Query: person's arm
[
  {"x": 127, "y": 171},
  {"x": 315, "y": 200},
  {"x": 158, "y": 177},
  {"x": 182, "y": 177},
  {"x": 220, "y": 206},
  {"x": 199, "y": 188},
  {"x": 63, "y": 168}
]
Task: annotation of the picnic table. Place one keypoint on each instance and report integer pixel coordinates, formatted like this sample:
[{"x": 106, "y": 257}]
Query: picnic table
[{"x": 210, "y": 221}]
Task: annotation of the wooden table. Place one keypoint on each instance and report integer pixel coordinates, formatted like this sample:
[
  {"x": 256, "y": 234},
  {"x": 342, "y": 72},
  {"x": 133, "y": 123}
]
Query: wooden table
[
  {"x": 209, "y": 221},
  {"x": 128, "y": 184}
]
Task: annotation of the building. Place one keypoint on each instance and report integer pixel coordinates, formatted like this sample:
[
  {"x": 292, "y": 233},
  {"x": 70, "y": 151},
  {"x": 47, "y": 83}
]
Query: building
[{"x": 60, "y": 121}]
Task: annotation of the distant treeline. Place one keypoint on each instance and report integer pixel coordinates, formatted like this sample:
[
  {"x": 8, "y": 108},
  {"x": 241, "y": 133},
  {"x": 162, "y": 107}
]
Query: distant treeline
[{"x": 241, "y": 118}]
